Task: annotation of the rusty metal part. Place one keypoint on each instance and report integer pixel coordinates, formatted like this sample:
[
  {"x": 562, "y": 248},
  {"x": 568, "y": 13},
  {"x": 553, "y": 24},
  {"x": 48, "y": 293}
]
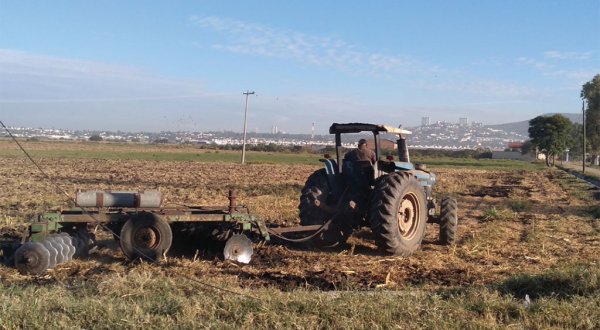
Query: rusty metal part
[
  {"x": 232, "y": 200},
  {"x": 146, "y": 237}
]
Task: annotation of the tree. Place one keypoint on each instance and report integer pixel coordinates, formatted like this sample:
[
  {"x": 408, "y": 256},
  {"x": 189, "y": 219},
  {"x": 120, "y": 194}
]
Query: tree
[
  {"x": 96, "y": 137},
  {"x": 527, "y": 147},
  {"x": 550, "y": 134},
  {"x": 591, "y": 93},
  {"x": 576, "y": 141}
]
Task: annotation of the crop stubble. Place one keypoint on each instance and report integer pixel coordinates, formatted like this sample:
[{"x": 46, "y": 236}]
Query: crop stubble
[{"x": 550, "y": 231}]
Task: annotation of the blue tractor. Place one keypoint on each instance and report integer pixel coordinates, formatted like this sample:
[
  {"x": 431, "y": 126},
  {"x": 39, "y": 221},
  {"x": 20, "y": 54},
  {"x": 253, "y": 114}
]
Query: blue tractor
[{"x": 393, "y": 197}]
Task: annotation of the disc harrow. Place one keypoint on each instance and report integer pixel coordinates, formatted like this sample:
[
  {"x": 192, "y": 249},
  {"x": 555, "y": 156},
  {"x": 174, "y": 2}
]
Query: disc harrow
[
  {"x": 56, "y": 237},
  {"x": 34, "y": 258}
]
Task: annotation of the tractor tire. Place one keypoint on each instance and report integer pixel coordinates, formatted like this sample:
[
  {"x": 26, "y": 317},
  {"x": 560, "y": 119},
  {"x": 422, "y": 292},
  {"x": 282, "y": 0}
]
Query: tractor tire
[
  {"x": 448, "y": 221},
  {"x": 315, "y": 188},
  {"x": 398, "y": 214},
  {"x": 146, "y": 236}
]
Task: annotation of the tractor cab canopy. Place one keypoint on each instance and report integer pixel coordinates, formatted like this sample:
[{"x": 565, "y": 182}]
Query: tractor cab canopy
[
  {"x": 361, "y": 127},
  {"x": 339, "y": 129}
]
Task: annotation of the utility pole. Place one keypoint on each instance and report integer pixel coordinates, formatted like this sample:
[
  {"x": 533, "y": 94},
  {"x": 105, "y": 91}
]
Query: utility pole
[
  {"x": 583, "y": 117},
  {"x": 247, "y": 93}
]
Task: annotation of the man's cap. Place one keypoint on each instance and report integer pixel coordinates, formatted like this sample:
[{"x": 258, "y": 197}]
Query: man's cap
[{"x": 362, "y": 141}]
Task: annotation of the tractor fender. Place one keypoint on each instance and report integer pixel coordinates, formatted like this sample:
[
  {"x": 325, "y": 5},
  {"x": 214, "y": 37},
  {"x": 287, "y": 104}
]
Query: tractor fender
[{"x": 333, "y": 176}]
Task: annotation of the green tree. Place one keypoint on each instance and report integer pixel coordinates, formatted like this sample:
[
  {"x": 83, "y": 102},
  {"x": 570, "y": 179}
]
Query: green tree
[
  {"x": 527, "y": 147},
  {"x": 95, "y": 137},
  {"x": 550, "y": 134},
  {"x": 591, "y": 93}
]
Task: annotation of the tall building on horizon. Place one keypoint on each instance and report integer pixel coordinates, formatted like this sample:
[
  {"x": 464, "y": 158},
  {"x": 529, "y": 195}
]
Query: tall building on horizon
[
  {"x": 463, "y": 121},
  {"x": 425, "y": 121}
]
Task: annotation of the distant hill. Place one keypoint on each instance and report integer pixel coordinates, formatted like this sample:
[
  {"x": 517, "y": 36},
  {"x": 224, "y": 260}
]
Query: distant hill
[{"x": 521, "y": 127}]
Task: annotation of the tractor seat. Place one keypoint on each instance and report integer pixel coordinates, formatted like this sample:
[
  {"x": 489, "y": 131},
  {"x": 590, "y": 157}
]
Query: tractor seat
[
  {"x": 363, "y": 163},
  {"x": 360, "y": 172}
]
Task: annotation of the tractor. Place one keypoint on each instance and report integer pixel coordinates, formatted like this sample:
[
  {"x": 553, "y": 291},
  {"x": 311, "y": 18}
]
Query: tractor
[{"x": 392, "y": 197}]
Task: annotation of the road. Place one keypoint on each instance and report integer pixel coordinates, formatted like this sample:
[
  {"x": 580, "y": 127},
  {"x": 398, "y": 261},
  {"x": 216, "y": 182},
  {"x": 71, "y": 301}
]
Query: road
[{"x": 579, "y": 167}]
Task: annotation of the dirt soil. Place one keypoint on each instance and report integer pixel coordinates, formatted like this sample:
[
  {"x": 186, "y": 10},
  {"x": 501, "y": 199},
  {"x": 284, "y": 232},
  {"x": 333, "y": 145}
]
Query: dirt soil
[{"x": 510, "y": 222}]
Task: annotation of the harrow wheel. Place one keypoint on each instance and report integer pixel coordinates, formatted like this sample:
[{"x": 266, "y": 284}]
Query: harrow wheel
[
  {"x": 448, "y": 221},
  {"x": 146, "y": 236},
  {"x": 32, "y": 258},
  {"x": 398, "y": 214}
]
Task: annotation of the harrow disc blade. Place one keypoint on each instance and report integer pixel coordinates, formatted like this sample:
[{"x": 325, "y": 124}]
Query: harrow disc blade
[
  {"x": 85, "y": 241},
  {"x": 238, "y": 248},
  {"x": 53, "y": 253},
  {"x": 57, "y": 244},
  {"x": 68, "y": 240},
  {"x": 32, "y": 258}
]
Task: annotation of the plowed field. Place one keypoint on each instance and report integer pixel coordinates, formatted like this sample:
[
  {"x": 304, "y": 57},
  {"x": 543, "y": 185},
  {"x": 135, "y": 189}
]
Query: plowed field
[{"x": 510, "y": 222}]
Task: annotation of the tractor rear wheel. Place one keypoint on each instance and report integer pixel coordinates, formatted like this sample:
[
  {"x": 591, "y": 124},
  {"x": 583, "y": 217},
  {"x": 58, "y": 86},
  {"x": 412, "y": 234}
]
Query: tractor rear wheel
[
  {"x": 315, "y": 192},
  {"x": 398, "y": 213},
  {"x": 146, "y": 236},
  {"x": 448, "y": 221}
]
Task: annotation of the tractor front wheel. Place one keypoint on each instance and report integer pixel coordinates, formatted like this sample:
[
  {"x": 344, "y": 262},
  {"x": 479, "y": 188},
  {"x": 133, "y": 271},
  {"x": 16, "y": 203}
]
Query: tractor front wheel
[
  {"x": 448, "y": 221},
  {"x": 315, "y": 193},
  {"x": 398, "y": 214}
]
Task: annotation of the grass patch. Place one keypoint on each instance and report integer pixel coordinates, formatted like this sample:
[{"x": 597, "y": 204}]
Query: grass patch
[
  {"x": 141, "y": 299},
  {"x": 124, "y": 151},
  {"x": 494, "y": 214},
  {"x": 491, "y": 164},
  {"x": 557, "y": 283}
]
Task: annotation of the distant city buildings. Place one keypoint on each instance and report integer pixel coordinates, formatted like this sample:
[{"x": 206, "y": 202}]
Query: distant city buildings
[
  {"x": 463, "y": 121},
  {"x": 440, "y": 135},
  {"x": 425, "y": 121}
]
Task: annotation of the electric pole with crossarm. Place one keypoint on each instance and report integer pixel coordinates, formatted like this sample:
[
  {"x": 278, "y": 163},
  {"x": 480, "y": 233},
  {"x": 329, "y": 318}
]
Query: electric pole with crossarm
[{"x": 247, "y": 93}]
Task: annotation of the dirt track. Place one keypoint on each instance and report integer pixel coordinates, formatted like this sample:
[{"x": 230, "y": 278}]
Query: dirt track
[{"x": 510, "y": 222}]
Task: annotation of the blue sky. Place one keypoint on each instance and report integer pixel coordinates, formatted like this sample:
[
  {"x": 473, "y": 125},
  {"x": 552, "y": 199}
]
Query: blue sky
[{"x": 183, "y": 65}]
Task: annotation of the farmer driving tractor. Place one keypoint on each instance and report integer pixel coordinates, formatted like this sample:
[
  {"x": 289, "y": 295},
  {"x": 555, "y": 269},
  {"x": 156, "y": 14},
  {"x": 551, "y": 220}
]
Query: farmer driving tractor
[{"x": 362, "y": 152}]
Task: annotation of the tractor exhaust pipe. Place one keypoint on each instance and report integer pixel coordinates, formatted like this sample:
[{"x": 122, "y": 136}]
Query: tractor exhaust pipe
[{"x": 402, "y": 150}]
